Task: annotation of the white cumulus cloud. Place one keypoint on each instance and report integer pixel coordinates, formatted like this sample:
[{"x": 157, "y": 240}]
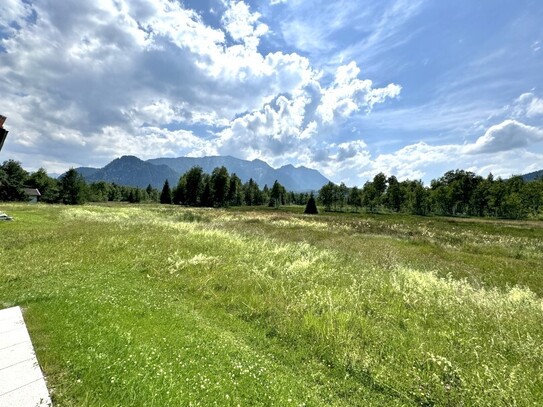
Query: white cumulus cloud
[
  {"x": 243, "y": 25},
  {"x": 348, "y": 94},
  {"x": 505, "y": 136},
  {"x": 80, "y": 71},
  {"x": 300, "y": 127}
]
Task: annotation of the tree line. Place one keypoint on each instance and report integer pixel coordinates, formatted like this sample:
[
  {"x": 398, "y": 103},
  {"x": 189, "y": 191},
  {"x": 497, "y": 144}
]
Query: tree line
[
  {"x": 456, "y": 193},
  {"x": 195, "y": 188},
  {"x": 222, "y": 189},
  {"x": 71, "y": 188}
]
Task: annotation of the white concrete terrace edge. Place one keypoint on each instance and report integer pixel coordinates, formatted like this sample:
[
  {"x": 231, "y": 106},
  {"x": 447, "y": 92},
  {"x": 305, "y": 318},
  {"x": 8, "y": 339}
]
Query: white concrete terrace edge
[{"x": 21, "y": 380}]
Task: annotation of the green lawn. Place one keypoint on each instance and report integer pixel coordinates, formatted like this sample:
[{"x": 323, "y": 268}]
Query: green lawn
[{"x": 168, "y": 306}]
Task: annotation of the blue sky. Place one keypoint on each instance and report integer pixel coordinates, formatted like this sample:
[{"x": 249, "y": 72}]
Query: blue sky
[{"x": 408, "y": 87}]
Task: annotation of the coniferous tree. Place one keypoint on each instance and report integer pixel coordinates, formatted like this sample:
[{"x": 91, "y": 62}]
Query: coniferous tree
[
  {"x": 180, "y": 192},
  {"x": 311, "y": 207},
  {"x": 166, "y": 194},
  {"x": 72, "y": 188},
  {"x": 235, "y": 192},
  {"x": 207, "y": 197},
  {"x": 149, "y": 190},
  {"x": 277, "y": 195},
  {"x": 252, "y": 194},
  {"x": 134, "y": 195},
  {"x": 152, "y": 193},
  {"x": 219, "y": 184},
  {"x": 114, "y": 193},
  {"x": 194, "y": 185}
]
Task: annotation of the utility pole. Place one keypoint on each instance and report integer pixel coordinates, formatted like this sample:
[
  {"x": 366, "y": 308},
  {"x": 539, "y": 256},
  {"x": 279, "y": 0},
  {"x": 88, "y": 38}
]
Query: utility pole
[{"x": 3, "y": 132}]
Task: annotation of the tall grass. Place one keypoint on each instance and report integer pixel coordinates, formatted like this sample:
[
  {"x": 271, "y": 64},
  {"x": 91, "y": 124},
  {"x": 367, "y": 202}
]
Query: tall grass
[{"x": 171, "y": 306}]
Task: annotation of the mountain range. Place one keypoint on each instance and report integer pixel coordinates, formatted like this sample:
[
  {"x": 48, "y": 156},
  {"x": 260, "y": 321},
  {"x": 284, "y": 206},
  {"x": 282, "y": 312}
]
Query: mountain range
[
  {"x": 532, "y": 176},
  {"x": 132, "y": 171}
]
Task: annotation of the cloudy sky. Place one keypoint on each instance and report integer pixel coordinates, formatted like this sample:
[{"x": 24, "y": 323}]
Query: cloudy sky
[{"x": 349, "y": 87}]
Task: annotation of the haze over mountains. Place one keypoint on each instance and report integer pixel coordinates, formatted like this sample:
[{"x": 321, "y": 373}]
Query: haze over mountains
[{"x": 132, "y": 171}]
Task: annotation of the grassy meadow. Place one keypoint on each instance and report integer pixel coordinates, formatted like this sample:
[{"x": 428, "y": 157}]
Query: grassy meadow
[{"x": 170, "y": 306}]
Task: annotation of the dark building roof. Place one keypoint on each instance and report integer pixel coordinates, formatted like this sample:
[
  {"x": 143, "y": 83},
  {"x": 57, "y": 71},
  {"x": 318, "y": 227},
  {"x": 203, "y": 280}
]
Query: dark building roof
[
  {"x": 3, "y": 132},
  {"x": 32, "y": 192},
  {"x": 3, "y": 135}
]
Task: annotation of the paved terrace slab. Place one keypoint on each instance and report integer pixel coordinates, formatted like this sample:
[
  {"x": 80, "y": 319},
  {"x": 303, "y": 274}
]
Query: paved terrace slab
[{"x": 21, "y": 379}]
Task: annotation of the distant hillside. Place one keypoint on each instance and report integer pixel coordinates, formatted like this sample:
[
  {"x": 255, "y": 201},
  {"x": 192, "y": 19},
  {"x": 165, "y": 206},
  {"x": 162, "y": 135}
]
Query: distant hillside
[
  {"x": 87, "y": 171},
  {"x": 532, "y": 176},
  {"x": 292, "y": 178},
  {"x": 131, "y": 171},
  {"x": 303, "y": 176},
  {"x": 243, "y": 169}
]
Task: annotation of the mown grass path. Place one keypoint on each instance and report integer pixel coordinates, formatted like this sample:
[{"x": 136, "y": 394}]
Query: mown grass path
[{"x": 157, "y": 306}]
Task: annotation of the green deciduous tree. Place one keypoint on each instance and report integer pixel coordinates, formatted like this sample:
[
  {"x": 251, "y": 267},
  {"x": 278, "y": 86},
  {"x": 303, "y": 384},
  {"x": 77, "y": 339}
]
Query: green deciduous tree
[
  {"x": 99, "y": 191},
  {"x": 355, "y": 198},
  {"x": 393, "y": 197},
  {"x": 327, "y": 196},
  {"x": 47, "y": 186},
  {"x": 532, "y": 196},
  {"x": 416, "y": 197},
  {"x": 380, "y": 185},
  {"x": 452, "y": 193},
  {"x": 370, "y": 197},
  {"x": 12, "y": 181}
]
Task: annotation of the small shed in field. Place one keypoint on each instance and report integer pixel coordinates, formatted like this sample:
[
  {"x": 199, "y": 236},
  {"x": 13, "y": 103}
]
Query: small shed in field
[{"x": 33, "y": 194}]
